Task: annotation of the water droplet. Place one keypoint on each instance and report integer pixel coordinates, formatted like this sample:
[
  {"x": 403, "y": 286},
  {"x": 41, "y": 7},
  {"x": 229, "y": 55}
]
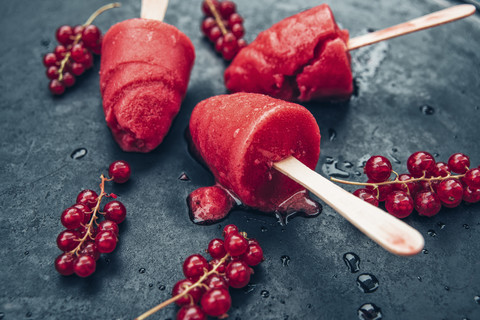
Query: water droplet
[
  {"x": 263, "y": 229},
  {"x": 285, "y": 260},
  {"x": 367, "y": 283},
  {"x": 362, "y": 161},
  {"x": 432, "y": 233},
  {"x": 184, "y": 177},
  {"x": 352, "y": 261},
  {"x": 309, "y": 306},
  {"x": 290, "y": 289},
  {"x": 333, "y": 171},
  {"x": 393, "y": 158},
  {"x": 26, "y": 253},
  {"x": 265, "y": 294},
  {"x": 332, "y": 134},
  {"x": 2, "y": 315},
  {"x": 347, "y": 164},
  {"x": 394, "y": 149},
  {"x": 447, "y": 288},
  {"x": 249, "y": 288},
  {"x": 477, "y": 299},
  {"x": 329, "y": 160},
  {"x": 427, "y": 110},
  {"x": 358, "y": 173},
  {"x": 369, "y": 311},
  {"x": 45, "y": 42},
  {"x": 419, "y": 278},
  {"x": 466, "y": 226},
  {"x": 28, "y": 314},
  {"x": 142, "y": 270},
  {"x": 371, "y": 29},
  {"x": 161, "y": 287},
  {"x": 441, "y": 225},
  {"x": 78, "y": 153},
  {"x": 425, "y": 251},
  {"x": 150, "y": 285},
  {"x": 436, "y": 155},
  {"x": 107, "y": 260}
]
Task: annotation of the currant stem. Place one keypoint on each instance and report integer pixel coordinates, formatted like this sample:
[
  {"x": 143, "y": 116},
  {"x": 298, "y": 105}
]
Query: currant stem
[
  {"x": 178, "y": 296},
  {"x": 396, "y": 181},
  {"x": 217, "y": 17}
]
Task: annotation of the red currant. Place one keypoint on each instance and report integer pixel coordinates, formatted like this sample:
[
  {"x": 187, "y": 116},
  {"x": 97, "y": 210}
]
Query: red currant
[
  {"x": 459, "y": 163},
  {"x": 88, "y": 63},
  {"x": 106, "y": 241},
  {"x": 216, "y": 281},
  {"x": 119, "y": 171},
  {"x": 52, "y": 72},
  {"x": 472, "y": 178},
  {"x": 77, "y": 68},
  {"x": 229, "y": 229},
  {"x": 367, "y": 195},
  {"x": 60, "y": 52},
  {"x": 381, "y": 191},
  {"x": 115, "y": 211},
  {"x": 78, "y": 29},
  {"x": 399, "y": 204},
  {"x": 78, "y": 52},
  {"x": 90, "y": 249},
  {"x": 412, "y": 187},
  {"x": 227, "y": 8},
  {"x": 216, "y": 302},
  {"x": 219, "y": 44},
  {"x": 64, "y": 35},
  {"x": 216, "y": 249},
  {"x": 191, "y": 313},
  {"x": 84, "y": 266},
  {"x": 207, "y": 24},
  {"x": 450, "y": 192},
  {"x": 87, "y": 197},
  {"x": 254, "y": 254},
  {"x": 50, "y": 59},
  {"x": 108, "y": 225},
  {"x": 236, "y": 244},
  {"x": 441, "y": 169},
  {"x": 420, "y": 163},
  {"x": 238, "y": 274},
  {"x": 181, "y": 286},
  {"x": 72, "y": 218},
  {"x": 68, "y": 240},
  {"x": 91, "y": 36},
  {"x": 87, "y": 212},
  {"x": 206, "y": 9},
  {"x": 241, "y": 43},
  {"x": 471, "y": 195},
  {"x": 378, "y": 168},
  {"x": 194, "y": 265},
  {"x": 64, "y": 264},
  {"x": 221, "y": 268},
  {"x": 56, "y": 87},
  {"x": 427, "y": 203},
  {"x": 238, "y": 30},
  {"x": 235, "y": 18},
  {"x": 68, "y": 79},
  {"x": 83, "y": 231},
  {"x": 214, "y": 34}
]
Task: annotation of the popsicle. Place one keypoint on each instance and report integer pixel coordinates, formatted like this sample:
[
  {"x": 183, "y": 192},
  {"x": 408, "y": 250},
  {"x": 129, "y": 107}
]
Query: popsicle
[
  {"x": 144, "y": 74},
  {"x": 262, "y": 151},
  {"x": 306, "y": 56}
]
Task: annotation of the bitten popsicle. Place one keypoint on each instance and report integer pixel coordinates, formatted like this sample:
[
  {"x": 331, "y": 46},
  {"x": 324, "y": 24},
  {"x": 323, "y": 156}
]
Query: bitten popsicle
[{"x": 145, "y": 70}]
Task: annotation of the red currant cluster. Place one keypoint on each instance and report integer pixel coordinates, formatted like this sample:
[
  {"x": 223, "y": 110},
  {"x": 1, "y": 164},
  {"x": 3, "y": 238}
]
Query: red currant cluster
[
  {"x": 74, "y": 54},
  {"x": 427, "y": 187},
  {"x": 204, "y": 291},
  {"x": 84, "y": 238},
  {"x": 223, "y": 26}
]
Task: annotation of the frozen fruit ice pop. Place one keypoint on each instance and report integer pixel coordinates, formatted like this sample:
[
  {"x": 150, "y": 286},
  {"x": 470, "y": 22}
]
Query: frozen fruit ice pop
[
  {"x": 144, "y": 74},
  {"x": 303, "y": 57},
  {"x": 240, "y": 136}
]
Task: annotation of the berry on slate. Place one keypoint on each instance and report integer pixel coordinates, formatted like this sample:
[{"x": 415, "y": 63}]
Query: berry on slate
[
  {"x": 119, "y": 171},
  {"x": 378, "y": 168}
]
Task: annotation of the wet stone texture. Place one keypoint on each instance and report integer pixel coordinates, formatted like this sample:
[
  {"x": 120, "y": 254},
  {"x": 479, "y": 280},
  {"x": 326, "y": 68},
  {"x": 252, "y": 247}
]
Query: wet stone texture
[{"x": 418, "y": 92}]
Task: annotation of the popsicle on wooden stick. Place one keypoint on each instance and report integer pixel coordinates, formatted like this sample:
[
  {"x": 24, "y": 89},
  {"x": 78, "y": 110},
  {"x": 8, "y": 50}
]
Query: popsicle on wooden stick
[
  {"x": 254, "y": 144},
  {"x": 306, "y": 56},
  {"x": 144, "y": 74}
]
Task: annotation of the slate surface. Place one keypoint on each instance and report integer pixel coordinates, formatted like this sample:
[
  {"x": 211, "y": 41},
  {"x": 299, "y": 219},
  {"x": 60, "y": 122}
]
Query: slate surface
[{"x": 38, "y": 177}]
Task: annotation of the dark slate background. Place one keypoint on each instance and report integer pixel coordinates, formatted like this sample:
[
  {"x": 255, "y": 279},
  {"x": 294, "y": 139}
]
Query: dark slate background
[{"x": 396, "y": 80}]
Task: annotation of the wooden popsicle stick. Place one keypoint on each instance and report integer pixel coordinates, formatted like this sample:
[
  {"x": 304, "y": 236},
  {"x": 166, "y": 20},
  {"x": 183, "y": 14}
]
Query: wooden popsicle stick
[
  {"x": 389, "y": 232},
  {"x": 425, "y": 22},
  {"x": 153, "y": 9}
]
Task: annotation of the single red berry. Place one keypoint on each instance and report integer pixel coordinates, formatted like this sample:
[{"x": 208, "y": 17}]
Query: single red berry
[
  {"x": 216, "y": 249},
  {"x": 64, "y": 264},
  {"x": 367, "y": 195},
  {"x": 87, "y": 197},
  {"x": 193, "y": 266},
  {"x": 427, "y": 203},
  {"x": 84, "y": 266},
  {"x": 229, "y": 53},
  {"x": 60, "y": 52},
  {"x": 192, "y": 312},
  {"x": 77, "y": 29},
  {"x": 68, "y": 79},
  {"x": 471, "y": 195},
  {"x": 214, "y": 33},
  {"x": 241, "y": 43},
  {"x": 181, "y": 286},
  {"x": 381, "y": 191},
  {"x": 115, "y": 211},
  {"x": 441, "y": 169},
  {"x": 216, "y": 281},
  {"x": 219, "y": 44},
  {"x": 254, "y": 255},
  {"x": 420, "y": 163},
  {"x": 78, "y": 52},
  {"x": 83, "y": 230},
  {"x": 227, "y": 8},
  {"x": 459, "y": 163},
  {"x": 236, "y": 244},
  {"x": 472, "y": 178},
  {"x": 52, "y": 72},
  {"x": 378, "y": 168},
  {"x": 72, "y": 218},
  {"x": 238, "y": 30},
  {"x": 88, "y": 63},
  {"x": 450, "y": 192},
  {"x": 56, "y": 87},
  {"x": 87, "y": 212},
  {"x": 216, "y": 302},
  {"x": 238, "y": 274},
  {"x": 106, "y": 241},
  {"x": 50, "y": 59},
  {"x": 399, "y": 204},
  {"x": 64, "y": 35},
  {"x": 91, "y": 36},
  {"x": 89, "y": 248},
  {"x": 119, "y": 171},
  {"x": 206, "y": 7},
  {"x": 234, "y": 19},
  {"x": 77, "y": 68},
  {"x": 68, "y": 240},
  {"x": 412, "y": 187},
  {"x": 230, "y": 41},
  {"x": 229, "y": 229},
  {"x": 221, "y": 268},
  {"x": 98, "y": 48},
  {"x": 108, "y": 225},
  {"x": 207, "y": 24}
]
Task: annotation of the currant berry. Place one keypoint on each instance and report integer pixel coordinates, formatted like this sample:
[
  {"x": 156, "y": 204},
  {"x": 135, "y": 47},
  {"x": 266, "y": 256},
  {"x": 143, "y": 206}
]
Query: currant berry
[
  {"x": 236, "y": 244},
  {"x": 241, "y": 43},
  {"x": 238, "y": 274},
  {"x": 367, "y": 195},
  {"x": 254, "y": 255},
  {"x": 84, "y": 266},
  {"x": 56, "y": 87},
  {"x": 78, "y": 52},
  {"x": 194, "y": 266},
  {"x": 234, "y": 19},
  {"x": 84, "y": 229},
  {"x": 399, "y": 204},
  {"x": 216, "y": 281},
  {"x": 115, "y": 211},
  {"x": 181, "y": 286},
  {"x": 87, "y": 197},
  {"x": 207, "y": 24},
  {"x": 64, "y": 35},
  {"x": 427, "y": 203},
  {"x": 216, "y": 249},
  {"x": 216, "y": 302},
  {"x": 219, "y": 44},
  {"x": 411, "y": 187},
  {"x": 87, "y": 212},
  {"x": 206, "y": 8},
  {"x": 471, "y": 195},
  {"x": 91, "y": 36},
  {"x": 106, "y": 241},
  {"x": 60, "y": 52},
  {"x": 68, "y": 240},
  {"x": 191, "y": 313},
  {"x": 78, "y": 29},
  {"x": 72, "y": 218},
  {"x": 119, "y": 171},
  {"x": 64, "y": 264},
  {"x": 441, "y": 169},
  {"x": 50, "y": 59},
  {"x": 459, "y": 163},
  {"x": 472, "y": 178},
  {"x": 450, "y": 192},
  {"x": 420, "y": 163},
  {"x": 77, "y": 68},
  {"x": 90, "y": 249},
  {"x": 108, "y": 225},
  {"x": 229, "y": 229},
  {"x": 227, "y": 8},
  {"x": 381, "y": 191},
  {"x": 221, "y": 268},
  {"x": 88, "y": 63},
  {"x": 378, "y": 168},
  {"x": 214, "y": 34}
]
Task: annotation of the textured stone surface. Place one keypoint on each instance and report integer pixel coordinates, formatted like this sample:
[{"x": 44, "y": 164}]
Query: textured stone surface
[{"x": 38, "y": 178}]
